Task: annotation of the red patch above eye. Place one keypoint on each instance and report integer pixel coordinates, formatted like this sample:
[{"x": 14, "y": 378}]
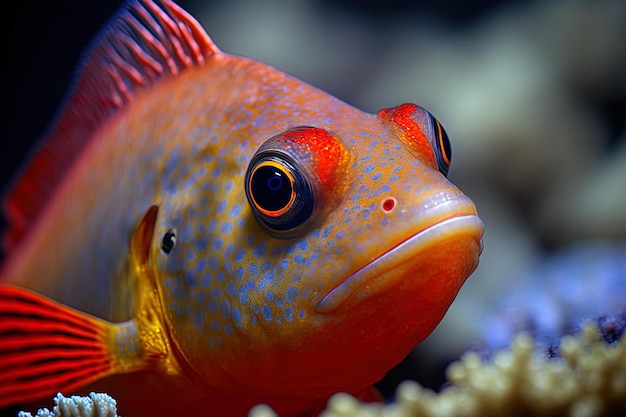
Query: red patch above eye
[
  {"x": 409, "y": 123},
  {"x": 295, "y": 177},
  {"x": 322, "y": 151}
]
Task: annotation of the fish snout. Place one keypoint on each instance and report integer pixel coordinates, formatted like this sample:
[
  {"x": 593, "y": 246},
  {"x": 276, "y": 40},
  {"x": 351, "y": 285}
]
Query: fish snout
[{"x": 445, "y": 227}]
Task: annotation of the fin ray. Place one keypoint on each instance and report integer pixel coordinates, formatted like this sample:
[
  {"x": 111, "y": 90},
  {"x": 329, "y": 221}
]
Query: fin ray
[
  {"x": 47, "y": 347},
  {"x": 23, "y": 393}
]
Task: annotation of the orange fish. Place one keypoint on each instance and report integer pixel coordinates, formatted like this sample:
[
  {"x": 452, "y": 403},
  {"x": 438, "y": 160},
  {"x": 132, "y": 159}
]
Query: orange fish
[{"x": 200, "y": 232}]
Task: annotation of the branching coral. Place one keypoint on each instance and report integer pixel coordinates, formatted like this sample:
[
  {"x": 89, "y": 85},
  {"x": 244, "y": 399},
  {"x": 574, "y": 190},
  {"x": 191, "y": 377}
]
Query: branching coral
[{"x": 96, "y": 405}]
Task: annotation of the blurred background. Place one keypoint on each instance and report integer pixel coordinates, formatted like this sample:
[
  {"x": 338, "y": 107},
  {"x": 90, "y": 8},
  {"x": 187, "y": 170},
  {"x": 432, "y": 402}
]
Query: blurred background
[{"x": 532, "y": 95}]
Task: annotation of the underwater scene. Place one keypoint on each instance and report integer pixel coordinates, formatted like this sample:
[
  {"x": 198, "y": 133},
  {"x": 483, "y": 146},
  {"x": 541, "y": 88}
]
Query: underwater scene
[{"x": 461, "y": 256}]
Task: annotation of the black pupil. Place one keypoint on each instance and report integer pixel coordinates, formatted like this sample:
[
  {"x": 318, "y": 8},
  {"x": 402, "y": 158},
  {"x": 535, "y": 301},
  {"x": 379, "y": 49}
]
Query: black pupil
[
  {"x": 271, "y": 188},
  {"x": 169, "y": 240}
]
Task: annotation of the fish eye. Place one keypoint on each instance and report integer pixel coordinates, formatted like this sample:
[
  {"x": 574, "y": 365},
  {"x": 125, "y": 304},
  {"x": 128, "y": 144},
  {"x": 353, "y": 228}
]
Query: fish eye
[
  {"x": 442, "y": 147},
  {"x": 272, "y": 188},
  {"x": 279, "y": 193},
  {"x": 168, "y": 242}
]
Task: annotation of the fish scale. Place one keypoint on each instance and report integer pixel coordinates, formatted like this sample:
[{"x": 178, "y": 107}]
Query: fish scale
[{"x": 209, "y": 233}]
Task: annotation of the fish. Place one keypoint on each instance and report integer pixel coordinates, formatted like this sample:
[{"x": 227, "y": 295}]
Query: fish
[{"x": 199, "y": 232}]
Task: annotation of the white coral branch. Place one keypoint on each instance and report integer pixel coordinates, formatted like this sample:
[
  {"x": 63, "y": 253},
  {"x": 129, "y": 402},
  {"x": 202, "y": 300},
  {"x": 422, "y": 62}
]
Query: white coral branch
[{"x": 96, "y": 405}]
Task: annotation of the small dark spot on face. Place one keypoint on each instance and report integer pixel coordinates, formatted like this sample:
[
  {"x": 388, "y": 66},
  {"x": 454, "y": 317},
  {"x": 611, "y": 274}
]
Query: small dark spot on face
[{"x": 168, "y": 242}]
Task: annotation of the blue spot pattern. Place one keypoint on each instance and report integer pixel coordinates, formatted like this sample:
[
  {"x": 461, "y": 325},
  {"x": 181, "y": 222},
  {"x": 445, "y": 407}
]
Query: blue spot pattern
[{"x": 226, "y": 274}]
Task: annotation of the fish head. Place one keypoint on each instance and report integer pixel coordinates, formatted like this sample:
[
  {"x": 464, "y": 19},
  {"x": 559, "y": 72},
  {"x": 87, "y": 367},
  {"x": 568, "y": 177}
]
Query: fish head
[{"x": 312, "y": 254}]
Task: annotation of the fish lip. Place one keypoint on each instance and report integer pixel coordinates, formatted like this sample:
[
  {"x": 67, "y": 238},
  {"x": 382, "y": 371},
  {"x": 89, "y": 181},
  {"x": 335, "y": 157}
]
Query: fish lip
[{"x": 468, "y": 224}]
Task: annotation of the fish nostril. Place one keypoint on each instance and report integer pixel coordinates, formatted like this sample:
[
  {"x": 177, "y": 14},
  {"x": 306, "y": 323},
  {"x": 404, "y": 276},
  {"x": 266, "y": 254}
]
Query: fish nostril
[{"x": 388, "y": 204}]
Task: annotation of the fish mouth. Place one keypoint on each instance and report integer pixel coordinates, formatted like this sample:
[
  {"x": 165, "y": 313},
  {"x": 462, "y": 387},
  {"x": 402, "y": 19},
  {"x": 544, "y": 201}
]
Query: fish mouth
[{"x": 463, "y": 226}]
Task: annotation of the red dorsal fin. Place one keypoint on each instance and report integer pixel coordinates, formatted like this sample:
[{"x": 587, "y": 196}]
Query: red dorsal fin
[
  {"x": 145, "y": 41},
  {"x": 46, "y": 347}
]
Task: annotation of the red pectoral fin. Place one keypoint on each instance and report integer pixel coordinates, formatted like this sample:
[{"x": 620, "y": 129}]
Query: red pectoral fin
[{"x": 46, "y": 347}]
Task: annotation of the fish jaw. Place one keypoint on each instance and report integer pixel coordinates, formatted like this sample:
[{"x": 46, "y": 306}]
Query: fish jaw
[
  {"x": 403, "y": 260},
  {"x": 395, "y": 299}
]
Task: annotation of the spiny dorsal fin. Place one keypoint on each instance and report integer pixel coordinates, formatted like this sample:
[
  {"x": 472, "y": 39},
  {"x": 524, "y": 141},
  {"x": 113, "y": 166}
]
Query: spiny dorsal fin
[{"x": 145, "y": 41}]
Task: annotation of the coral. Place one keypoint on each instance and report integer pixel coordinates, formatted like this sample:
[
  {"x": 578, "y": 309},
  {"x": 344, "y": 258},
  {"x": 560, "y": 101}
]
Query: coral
[
  {"x": 96, "y": 405},
  {"x": 588, "y": 379}
]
